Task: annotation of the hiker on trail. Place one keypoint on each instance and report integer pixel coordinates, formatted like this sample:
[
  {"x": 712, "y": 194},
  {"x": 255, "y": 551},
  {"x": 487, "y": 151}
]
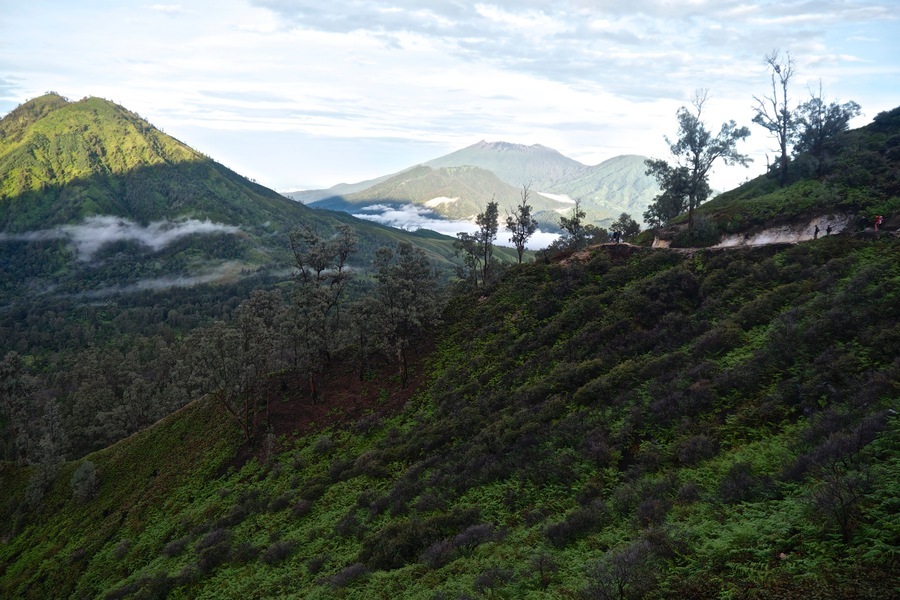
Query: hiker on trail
[
  {"x": 878, "y": 221},
  {"x": 816, "y": 233},
  {"x": 616, "y": 236},
  {"x": 828, "y": 230}
]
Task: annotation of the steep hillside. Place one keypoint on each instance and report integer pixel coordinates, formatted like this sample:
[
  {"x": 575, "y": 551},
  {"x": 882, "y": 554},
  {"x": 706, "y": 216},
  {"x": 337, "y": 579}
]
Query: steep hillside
[
  {"x": 119, "y": 243},
  {"x": 862, "y": 180},
  {"x": 644, "y": 423}
]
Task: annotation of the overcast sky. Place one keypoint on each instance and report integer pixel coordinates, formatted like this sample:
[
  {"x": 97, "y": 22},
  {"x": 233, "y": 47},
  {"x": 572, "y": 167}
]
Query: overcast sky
[{"x": 307, "y": 93}]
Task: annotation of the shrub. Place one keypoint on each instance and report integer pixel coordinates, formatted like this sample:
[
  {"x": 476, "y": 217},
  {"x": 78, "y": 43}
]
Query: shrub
[
  {"x": 579, "y": 522},
  {"x": 401, "y": 542},
  {"x": 301, "y": 508},
  {"x": 348, "y": 575},
  {"x": 278, "y": 551},
  {"x": 85, "y": 482},
  {"x": 473, "y": 536},
  {"x": 623, "y": 574},
  {"x": 280, "y": 503},
  {"x": 213, "y": 556},
  {"x": 214, "y": 537},
  {"x": 652, "y": 511},
  {"x": 175, "y": 547},
  {"x": 705, "y": 233},
  {"x": 349, "y": 526},
  {"x": 234, "y": 517},
  {"x": 741, "y": 484},
  {"x": 323, "y": 444},
  {"x": 157, "y": 586},
  {"x": 696, "y": 449},
  {"x": 689, "y": 492},
  {"x": 438, "y": 554},
  {"x": 122, "y": 548},
  {"x": 491, "y": 579},
  {"x": 244, "y": 552},
  {"x": 213, "y": 548},
  {"x": 545, "y": 567},
  {"x": 315, "y": 564}
]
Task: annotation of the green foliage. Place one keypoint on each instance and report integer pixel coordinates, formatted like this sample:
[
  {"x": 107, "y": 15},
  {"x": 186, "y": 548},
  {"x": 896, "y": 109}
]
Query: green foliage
[
  {"x": 640, "y": 424},
  {"x": 650, "y": 424},
  {"x": 862, "y": 180}
]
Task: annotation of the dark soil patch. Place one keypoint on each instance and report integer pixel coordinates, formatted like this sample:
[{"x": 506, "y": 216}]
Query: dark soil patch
[{"x": 343, "y": 398}]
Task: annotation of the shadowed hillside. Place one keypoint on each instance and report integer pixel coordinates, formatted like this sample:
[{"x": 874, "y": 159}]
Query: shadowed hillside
[{"x": 642, "y": 423}]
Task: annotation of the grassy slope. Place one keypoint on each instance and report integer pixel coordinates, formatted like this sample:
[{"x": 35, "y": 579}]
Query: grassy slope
[
  {"x": 865, "y": 181},
  {"x": 692, "y": 419}
]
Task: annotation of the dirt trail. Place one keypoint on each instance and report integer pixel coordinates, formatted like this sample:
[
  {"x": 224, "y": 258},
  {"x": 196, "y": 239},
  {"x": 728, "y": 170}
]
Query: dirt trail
[{"x": 782, "y": 234}]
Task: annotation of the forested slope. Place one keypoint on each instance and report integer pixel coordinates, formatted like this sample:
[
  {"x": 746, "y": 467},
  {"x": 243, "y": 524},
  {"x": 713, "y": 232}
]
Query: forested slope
[{"x": 644, "y": 423}]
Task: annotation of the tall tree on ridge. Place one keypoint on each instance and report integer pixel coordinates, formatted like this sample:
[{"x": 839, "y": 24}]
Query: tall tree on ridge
[
  {"x": 478, "y": 248},
  {"x": 773, "y": 112},
  {"x": 520, "y": 223},
  {"x": 696, "y": 150},
  {"x": 816, "y": 124}
]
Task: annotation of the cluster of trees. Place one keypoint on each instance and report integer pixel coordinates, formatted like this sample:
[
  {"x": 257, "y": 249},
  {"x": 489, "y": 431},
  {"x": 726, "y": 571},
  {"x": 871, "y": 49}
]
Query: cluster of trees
[
  {"x": 274, "y": 334},
  {"x": 810, "y": 129},
  {"x": 88, "y": 399},
  {"x": 477, "y": 248}
]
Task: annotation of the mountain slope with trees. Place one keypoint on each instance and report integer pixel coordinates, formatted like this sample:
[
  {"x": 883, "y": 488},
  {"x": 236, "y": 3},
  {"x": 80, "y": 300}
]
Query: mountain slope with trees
[
  {"x": 119, "y": 244},
  {"x": 853, "y": 177},
  {"x": 625, "y": 423},
  {"x": 640, "y": 424}
]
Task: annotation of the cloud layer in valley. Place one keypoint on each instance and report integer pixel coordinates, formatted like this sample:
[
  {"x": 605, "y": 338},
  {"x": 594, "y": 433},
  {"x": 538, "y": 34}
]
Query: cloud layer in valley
[
  {"x": 412, "y": 217},
  {"x": 95, "y": 232}
]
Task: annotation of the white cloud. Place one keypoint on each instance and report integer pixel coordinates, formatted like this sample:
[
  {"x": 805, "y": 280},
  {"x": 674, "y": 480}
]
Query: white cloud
[
  {"x": 590, "y": 78},
  {"x": 98, "y": 231},
  {"x": 412, "y": 218},
  {"x": 167, "y": 8}
]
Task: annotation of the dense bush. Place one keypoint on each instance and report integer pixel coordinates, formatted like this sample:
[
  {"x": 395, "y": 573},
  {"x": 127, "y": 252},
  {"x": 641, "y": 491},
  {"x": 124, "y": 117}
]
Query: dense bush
[{"x": 85, "y": 482}]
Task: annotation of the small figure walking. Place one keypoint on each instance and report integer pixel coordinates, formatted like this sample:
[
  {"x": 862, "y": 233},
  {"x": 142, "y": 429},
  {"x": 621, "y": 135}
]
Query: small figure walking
[
  {"x": 878, "y": 221},
  {"x": 617, "y": 236},
  {"x": 828, "y": 230},
  {"x": 816, "y": 233}
]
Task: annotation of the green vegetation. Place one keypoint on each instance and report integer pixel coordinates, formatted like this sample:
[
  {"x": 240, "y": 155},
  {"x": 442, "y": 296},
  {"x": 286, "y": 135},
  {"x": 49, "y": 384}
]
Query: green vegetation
[
  {"x": 703, "y": 426},
  {"x": 105, "y": 328},
  {"x": 628, "y": 423},
  {"x": 860, "y": 180}
]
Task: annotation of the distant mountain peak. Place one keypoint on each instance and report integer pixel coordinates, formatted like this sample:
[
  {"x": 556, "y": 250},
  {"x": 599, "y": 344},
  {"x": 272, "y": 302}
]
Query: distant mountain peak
[{"x": 511, "y": 147}]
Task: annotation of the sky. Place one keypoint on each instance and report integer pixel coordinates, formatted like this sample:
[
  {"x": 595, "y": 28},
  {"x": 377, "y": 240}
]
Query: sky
[{"x": 303, "y": 94}]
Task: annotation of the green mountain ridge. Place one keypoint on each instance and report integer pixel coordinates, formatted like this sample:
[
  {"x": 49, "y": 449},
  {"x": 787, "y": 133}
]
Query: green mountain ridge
[
  {"x": 66, "y": 167},
  {"x": 92, "y": 157},
  {"x": 515, "y": 164},
  {"x": 499, "y": 170},
  {"x": 452, "y": 192}
]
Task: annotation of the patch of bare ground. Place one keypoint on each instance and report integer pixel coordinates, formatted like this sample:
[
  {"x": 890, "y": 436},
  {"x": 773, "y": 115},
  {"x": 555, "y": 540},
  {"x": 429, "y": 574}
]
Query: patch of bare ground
[
  {"x": 343, "y": 398},
  {"x": 620, "y": 250}
]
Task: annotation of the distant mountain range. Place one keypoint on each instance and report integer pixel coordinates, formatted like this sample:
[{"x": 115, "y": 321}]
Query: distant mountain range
[
  {"x": 459, "y": 185},
  {"x": 94, "y": 198}
]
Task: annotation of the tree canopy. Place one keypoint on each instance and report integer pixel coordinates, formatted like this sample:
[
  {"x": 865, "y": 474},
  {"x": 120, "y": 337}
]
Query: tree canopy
[{"x": 694, "y": 151}]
